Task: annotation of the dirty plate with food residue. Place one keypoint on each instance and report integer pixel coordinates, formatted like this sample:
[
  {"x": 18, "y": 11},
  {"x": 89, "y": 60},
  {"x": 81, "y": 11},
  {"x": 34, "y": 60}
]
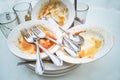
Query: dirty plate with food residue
[
  {"x": 97, "y": 43},
  {"x": 61, "y": 11},
  {"x": 22, "y": 49}
]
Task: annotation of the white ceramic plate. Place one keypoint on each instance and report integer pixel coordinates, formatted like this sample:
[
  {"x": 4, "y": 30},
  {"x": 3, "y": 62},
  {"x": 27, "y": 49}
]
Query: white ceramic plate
[
  {"x": 71, "y": 12},
  {"x": 70, "y": 70},
  {"x": 51, "y": 70},
  {"x": 99, "y": 33},
  {"x": 15, "y": 33}
]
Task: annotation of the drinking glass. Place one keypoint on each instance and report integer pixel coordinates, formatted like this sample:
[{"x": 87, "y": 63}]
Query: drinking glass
[
  {"x": 23, "y": 11},
  {"x": 82, "y": 10},
  {"x": 8, "y": 21}
]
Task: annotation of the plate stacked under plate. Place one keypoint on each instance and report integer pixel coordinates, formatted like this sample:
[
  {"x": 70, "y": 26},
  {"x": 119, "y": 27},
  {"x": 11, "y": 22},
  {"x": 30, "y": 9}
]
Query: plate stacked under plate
[{"x": 52, "y": 70}]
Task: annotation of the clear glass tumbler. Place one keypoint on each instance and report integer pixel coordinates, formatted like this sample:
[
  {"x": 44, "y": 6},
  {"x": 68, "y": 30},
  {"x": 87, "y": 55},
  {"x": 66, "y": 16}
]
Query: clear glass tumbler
[
  {"x": 23, "y": 11},
  {"x": 8, "y": 21},
  {"x": 82, "y": 10}
]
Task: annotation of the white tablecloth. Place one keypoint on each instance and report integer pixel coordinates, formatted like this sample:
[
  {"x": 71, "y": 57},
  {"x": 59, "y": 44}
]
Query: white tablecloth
[{"x": 104, "y": 13}]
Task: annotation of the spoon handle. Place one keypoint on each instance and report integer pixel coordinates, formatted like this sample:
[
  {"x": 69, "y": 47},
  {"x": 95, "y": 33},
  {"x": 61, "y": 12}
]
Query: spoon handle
[
  {"x": 74, "y": 46},
  {"x": 52, "y": 20},
  {"x": 69, "y": 50},
  {"x": 53, "y": 40},
  {"x": 63, "y": 30}
]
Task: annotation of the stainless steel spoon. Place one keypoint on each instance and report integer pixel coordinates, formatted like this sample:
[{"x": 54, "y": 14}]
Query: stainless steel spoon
[
  {"x": 74, "y": 37},
  {"x": 77, "y": 38},
  {"x": 70, "y": 50}
]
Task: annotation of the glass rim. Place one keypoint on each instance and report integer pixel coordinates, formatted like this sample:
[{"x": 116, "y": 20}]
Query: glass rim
[
  {"x": 87, "y": 8},
  {"x": 8, "y": 21},
  {"x": 19, "y": 4}
]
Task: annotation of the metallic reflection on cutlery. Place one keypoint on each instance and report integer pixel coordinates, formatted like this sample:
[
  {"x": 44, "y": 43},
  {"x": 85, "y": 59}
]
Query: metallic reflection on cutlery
[
  {"x": 39, "y": 33},
  {"x": 29, "y": 38},
  {"x": 76, "y": 38},
  {"x": 57, "y": 61}
]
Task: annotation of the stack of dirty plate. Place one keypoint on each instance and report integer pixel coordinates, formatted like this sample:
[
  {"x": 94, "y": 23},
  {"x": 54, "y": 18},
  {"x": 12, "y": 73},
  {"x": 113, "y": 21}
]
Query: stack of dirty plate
[{"x": 52, "y": 70}]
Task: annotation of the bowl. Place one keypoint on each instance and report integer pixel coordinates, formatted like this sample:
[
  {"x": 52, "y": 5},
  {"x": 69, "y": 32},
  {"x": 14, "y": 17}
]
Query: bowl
[
  {"x": 63, "y": 4},
  {"x": 13, "y": 38},
  {"x": 98, "y": 42}
]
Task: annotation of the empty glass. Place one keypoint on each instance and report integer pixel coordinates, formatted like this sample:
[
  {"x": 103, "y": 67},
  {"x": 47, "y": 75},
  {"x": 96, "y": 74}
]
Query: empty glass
[
  {"x": 23, "y": 11},
  {"x": 8, "y": 21},
  {"x": 82, "y": 10}
]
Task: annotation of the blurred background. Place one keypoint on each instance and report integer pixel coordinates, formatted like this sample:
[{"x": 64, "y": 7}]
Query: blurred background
[{"x": 6, "y": 5}]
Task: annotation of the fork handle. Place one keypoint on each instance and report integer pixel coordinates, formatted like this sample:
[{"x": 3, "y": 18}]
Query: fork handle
[
  {"x": 39, "y": 68},
  {"x": 53, "y": 40},
  {"x": 57, "y": 61}
]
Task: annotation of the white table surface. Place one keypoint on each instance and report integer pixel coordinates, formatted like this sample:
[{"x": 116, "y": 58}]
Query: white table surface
[{"x": 107, "y": 68}]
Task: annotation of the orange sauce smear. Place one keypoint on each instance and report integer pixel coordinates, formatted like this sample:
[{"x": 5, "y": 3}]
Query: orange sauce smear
[
  {"x": 91, "y": 51},
  {"x": 31, "y": 47},
  {"x": 51, "y": 10}
]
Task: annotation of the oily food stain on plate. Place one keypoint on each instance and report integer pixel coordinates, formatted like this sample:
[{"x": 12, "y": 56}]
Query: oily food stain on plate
[
  {"x": 30, "y": 48},
  {"x": 55, "y": 10},
  {"x": 90, "y": 51},
  {"x": 91, "y": 45}
]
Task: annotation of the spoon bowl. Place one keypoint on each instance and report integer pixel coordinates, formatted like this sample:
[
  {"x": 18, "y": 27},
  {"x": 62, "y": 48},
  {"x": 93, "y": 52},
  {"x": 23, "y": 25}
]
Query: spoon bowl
[{"x": 77, "y": 39}]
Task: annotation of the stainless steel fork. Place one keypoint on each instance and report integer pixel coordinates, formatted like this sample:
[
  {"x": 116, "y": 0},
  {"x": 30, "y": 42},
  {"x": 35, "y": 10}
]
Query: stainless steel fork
[
  {"x": 57, "y": 61},
  {"x": 29, "y": 38}
]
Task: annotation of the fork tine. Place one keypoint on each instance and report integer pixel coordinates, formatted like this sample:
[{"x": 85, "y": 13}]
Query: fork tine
[
  {"x": 25, "y": 33},
  {"x": 37, "y": 30},
  {"x": 34, "y": 30},
  {"x": 22, "y": 32}
]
